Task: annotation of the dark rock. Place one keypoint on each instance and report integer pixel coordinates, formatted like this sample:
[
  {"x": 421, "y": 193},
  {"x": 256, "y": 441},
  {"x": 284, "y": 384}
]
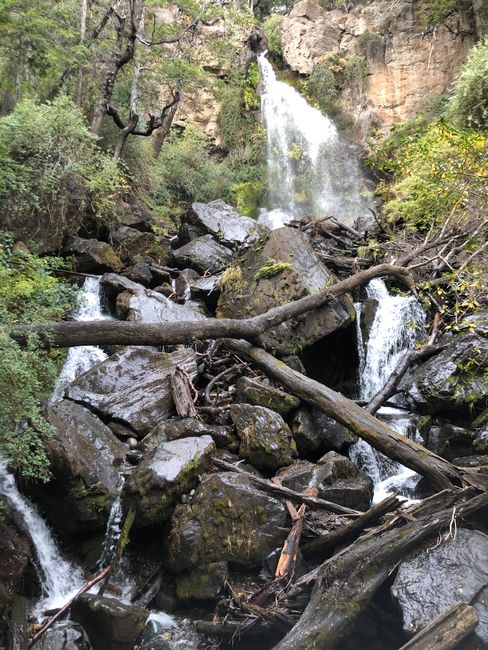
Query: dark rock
[
  {"x": 369, "y": 307},
  {"x": 175, "y": 429},
  {"x": 283, "y": 269},
  {"x": 172, "y": 469},
  {"x": 94, "y": 256},
  {"x": 135, "y": 215},
  {"x": 227, "y": 520},
  {"x": 205, "y": 288},
  {"x": 120, "y": 430},
  {"x": 203, "y": 582},
  {"x": 133, "y": 386},
  {"x": 266, "y": 440},
  {"x": 452, "y": 572},
  {"x": 479, "y": 461},
  {"x": 84, "y": 457},
  {"x": 182, "y": 283},
  {"x": 338, "y": 480},
  {"x": 131, "y": 242},
  {"x": 449, "y": 441},
  {"x": 456, "y": 379},
  {"x": 298, "y": 475},
  {"x": 315, "y": 433},
  {"x": 65, "y": 635},
  {"x": 224, "y": 223},
  {"x": 480, "y": 443},
  {"x": 251, "y": 391},
  {"x": 202, "y": 254},
  {"x": 110, "y": 624},
  {"x": 166, "y": 289},
  {"x": 140, "y": 273}
]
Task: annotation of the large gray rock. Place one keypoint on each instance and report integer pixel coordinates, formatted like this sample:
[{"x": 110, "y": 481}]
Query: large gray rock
[
  {"x": 132, "y": 242},
  {"x": 65, "y": 635},
  {"x": 84, "y": 457},
  {"x": 266, "y": 440},
  {"x": 202, "y": 254},
  {"x": 133, "y": 386},
  {"x": 109, "y": 623},
  {"x": 94, "y": 256},
  {"x": 178, "y": 428},
  {"x": 251, "y": 391},
  {"x": 456, "y": 379},
  {"x": 282, "y": 270},
  {"x": 172, "y": 469},
  {"x": 455, "y": 571},
  {"x": 315, "y": 433},
  {"x": 228, "y": 520},
  {"x": 221, "y": 220},
  {"x": 201, "y": 583}
]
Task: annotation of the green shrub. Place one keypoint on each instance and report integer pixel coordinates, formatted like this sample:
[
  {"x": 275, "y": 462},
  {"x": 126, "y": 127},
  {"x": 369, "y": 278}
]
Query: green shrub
[
  {"x": 272, "y": 29},
  {"x": 371, "y": 46},
  {"x": 28, "y": 294},
  {"x": 469, "y": 104}
]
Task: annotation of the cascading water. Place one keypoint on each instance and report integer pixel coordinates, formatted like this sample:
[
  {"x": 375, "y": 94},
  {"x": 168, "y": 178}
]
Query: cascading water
[
  {"x": 82, "y": 358},
  {"x": 397, "y": 321},
  {"x": 59, "y": 578},
  {"x": 311, "y": 170}
]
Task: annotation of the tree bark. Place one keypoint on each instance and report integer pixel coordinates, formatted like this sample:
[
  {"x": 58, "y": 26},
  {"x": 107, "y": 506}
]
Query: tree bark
[
  {"x": 379, "y": 435},
  {"x": 69, "y": 334},
  {"x": 447, "y": 630}
]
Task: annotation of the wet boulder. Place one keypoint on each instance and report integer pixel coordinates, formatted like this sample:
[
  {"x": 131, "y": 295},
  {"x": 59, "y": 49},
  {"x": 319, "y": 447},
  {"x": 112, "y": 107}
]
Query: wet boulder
[
  {"x": 282, "y": 269},
  {"x": 315, "y": 433},
  {"x": 339, "y": 480},
  {"x": 202, "y": 254},
  {"x": 178, "y": 428},
  {"x": 455, "y": 380},
  {"x": 228, "y": 519},
  {"x": 131, "y": 242},
  {"x": 454, "y": 571},
  {"x": 251, "y": 391},
  {"x": 266, "y": 440},
  {"x": 64, "y": 635},
  {"x": 450, "y": 441},
  {"x": 109, "y": 623},
  {"x": 93, "y": 256},
  {"x": 133, "y": 386},
  {"x": 202, "y": 583},
  {"x": 221, "y": 220},
  {"x": 85, "y": 458},
  {"x": 170, "y": 470}
]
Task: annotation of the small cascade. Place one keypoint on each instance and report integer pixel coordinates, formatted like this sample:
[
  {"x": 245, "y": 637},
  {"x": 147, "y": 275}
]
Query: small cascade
[
  {"x": 112, "y": 533},
  {"x": 82, "y": 358},
  {"x": 394, "y": 329},
  {"x": 59, "y": 578},
  {"x": 308, "y": 162}
]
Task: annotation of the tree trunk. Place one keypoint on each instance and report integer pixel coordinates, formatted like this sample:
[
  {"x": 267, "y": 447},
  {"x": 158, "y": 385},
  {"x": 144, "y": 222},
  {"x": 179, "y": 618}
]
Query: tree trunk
[
  {"x": 79, "y": 83},
  {"x": 447, "y": 630}
]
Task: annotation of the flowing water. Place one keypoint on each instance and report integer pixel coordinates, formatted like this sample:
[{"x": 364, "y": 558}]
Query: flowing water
[
  {"x": 311, "y": 169},
  {"x": 394, "y": 329},
  {"x": 82, "y": 358}
]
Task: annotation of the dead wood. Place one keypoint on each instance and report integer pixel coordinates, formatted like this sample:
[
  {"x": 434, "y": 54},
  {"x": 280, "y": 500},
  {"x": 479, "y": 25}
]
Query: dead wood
[
  {"x": 379, "y": 435},
  {"x": 447, "y": 630},
  {"x": 285, "y": 492},
  {"x": 183, "y": 393},
  {"x": 69, "y": 334}
]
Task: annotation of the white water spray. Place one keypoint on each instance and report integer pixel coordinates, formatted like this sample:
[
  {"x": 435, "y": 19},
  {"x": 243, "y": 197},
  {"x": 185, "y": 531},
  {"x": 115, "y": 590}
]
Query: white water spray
[{"x": 311, "y": 170}]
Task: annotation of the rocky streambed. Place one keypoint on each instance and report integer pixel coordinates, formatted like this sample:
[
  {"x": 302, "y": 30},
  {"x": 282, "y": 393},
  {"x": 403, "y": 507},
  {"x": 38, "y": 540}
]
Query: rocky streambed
[{"x": 162, "y": 433}]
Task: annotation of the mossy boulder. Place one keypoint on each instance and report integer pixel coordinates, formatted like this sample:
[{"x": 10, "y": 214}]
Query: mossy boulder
[
  {"x": 177, "y": 428},
  {"x": 170, "y": 470},
  {"x": 93, "y": 256},
  {"x": 266, "y": 440},
  {"x": 131, "y": 243},
  {"x": 279, "y": 268},
  {"x": 456, "y": 379},
  {"x": 201, "y": 583},
  {"x": 202, "y": 254},
  {"x": 228, "y": 520},
  {"x": 315, "y": 433},
  {"x": 251, "y": 391}
]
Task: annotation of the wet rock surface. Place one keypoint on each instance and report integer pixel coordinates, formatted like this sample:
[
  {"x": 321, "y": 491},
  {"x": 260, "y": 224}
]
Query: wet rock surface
[
  {"x": 66, "y": 635},
  {"x": 178, "y": 428},
  {"x": 315, "y": 433},
  {"x": 251, "y": 391},
  {"x": 85, "y": 459},
  {"x": 221, "y": 220},
  {"x": 455, "y": 571},
  {"x": 94, "y": 256},
  {"x": 282, "y": 269},
  {"x": 110, "y": 624},
  {"x": 202, "y": 583},
  {"x": 203, "y": 254},
  {"x": 133, "y": 386},
  {"x": 171, "y": 469},
  {"x": 228, "y": 520},
  {"x": 266, "y": 440},
  {"x": 131, "y": 242}
]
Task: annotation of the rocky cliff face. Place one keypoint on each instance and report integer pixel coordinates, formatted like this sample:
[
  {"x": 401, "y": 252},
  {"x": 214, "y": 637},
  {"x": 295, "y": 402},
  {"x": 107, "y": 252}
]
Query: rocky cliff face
[{"x": 406, "y": 62}]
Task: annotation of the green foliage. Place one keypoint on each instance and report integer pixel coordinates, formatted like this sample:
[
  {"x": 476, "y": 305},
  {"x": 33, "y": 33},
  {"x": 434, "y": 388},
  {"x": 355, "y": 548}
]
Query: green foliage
[
  {"x": 371, "y": 46},
  {"x": 270, "y": 269},
  {"x": 246, "y": 197},
  {"x": 52, "y": 168},
  {"x": 435, "y": 12},
  {"x": 272, "y": 29},
  {"x": 469, "y": 105},
  {"x": 28, "y": 294},
  {"x": 437, "y": 171}
]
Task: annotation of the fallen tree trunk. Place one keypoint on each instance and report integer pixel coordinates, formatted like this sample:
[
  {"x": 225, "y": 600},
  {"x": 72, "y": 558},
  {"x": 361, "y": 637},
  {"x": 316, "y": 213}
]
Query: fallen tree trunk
[
  {"x": 441, "y": 473},
  {"x": 447, "y": 630},
  {"x": 347, "y": 581},
  {"x": 70, "y": 334}
]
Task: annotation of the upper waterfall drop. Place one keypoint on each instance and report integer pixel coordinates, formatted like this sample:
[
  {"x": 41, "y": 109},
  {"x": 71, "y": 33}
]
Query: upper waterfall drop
[{"x": 311, "y": 169}]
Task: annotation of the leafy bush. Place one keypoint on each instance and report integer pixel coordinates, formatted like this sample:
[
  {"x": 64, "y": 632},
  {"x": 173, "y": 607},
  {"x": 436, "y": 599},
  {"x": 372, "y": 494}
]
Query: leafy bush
[
  {"x": 371, "y": 45},
  {"x": 51, "y": 168},
  {"x": 434, "y": 12},
  {"x": 272, "y": 29},
  {"x": 28, "y": 294},
  {"x": 469, "y": 105}
]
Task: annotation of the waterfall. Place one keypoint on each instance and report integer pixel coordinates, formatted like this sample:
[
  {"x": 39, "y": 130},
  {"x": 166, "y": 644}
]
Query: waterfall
[
  {"x": 59, "y": 578},
  {"x": 82, "y": 358},
  {"x": 311, "y": 170},
  {"x": 396, "y": 323}
]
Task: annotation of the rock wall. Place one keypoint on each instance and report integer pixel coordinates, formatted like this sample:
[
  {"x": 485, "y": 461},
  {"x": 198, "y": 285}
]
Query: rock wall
[{"x": 407, "y": 63}]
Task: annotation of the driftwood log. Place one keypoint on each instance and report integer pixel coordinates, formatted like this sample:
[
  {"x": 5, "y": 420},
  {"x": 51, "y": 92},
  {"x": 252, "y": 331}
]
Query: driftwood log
[{"x": 447, "y": 630}]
